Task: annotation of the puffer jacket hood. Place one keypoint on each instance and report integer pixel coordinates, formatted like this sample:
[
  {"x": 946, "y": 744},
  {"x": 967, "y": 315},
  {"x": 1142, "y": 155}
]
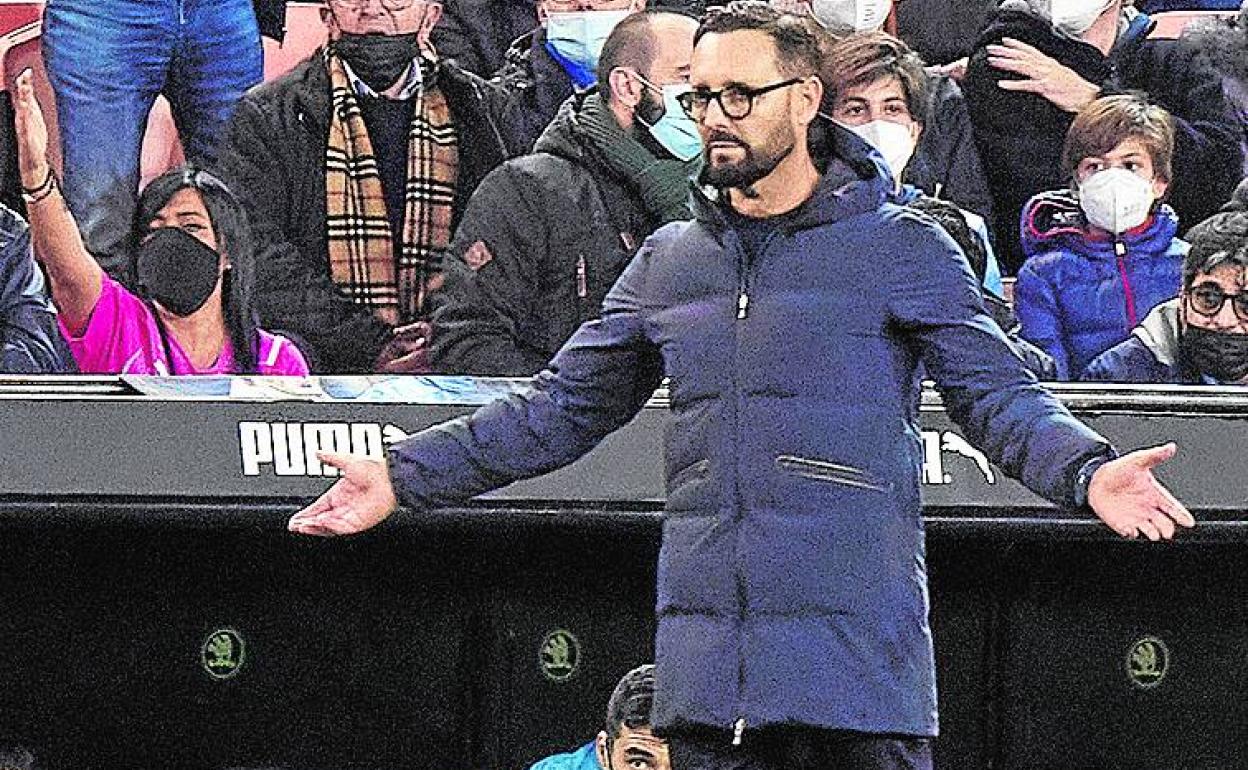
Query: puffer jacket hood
[
  {"x": 1053, "y": 221},
  {"x": 561, "y": 137},
  {"x": 855, "y": 181},
  {"x": 1150, "y": 355}
]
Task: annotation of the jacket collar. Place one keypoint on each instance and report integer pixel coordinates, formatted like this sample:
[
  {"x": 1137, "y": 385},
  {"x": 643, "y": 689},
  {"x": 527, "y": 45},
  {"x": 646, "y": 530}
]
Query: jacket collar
[
  {"x": 1053, "y": 221},
  {"x": 1159, "y": 331},
  {"x": 313, "y": 95}
]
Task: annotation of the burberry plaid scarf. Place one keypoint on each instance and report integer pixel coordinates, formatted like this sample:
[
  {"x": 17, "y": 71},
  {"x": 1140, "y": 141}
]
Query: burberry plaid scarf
[{"x": 361, "y": 247}]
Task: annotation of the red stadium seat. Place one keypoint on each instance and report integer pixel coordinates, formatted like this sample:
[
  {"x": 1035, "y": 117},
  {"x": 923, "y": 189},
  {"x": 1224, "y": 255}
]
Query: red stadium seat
[
  {"x": 19, "y": 50},
  {"x": 1170, "y": 24}
]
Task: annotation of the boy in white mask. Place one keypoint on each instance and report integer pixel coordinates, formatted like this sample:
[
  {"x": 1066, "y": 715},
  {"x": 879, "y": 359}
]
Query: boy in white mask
[
  {"x": 1103, "y": 254},
  {"x": 1039, "y": 62}
]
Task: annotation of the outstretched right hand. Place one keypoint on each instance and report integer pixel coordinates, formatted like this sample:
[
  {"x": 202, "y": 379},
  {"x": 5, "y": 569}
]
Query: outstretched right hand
[
  {"x": 361, "y": 499},
  {"x": 32, "y": 133}
]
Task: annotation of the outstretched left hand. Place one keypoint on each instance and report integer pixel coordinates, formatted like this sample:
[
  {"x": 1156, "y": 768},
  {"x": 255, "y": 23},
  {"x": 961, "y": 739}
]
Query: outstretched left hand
[{"x": 1128, "y": 498}]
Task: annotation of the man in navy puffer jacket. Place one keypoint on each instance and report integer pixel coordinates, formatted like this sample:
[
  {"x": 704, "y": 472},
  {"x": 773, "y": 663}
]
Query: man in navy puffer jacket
[{"x": 791, "y": 316}]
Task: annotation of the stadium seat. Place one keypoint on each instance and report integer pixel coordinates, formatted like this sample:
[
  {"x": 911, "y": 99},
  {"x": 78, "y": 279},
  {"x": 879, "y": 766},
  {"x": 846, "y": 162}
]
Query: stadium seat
[{"x": 1170, "y": 24}]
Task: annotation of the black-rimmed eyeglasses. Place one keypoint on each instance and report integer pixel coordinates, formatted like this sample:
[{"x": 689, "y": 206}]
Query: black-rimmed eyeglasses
[
  {"x": 736, "y": 102},
  {"x": 1208, "y": 299}
]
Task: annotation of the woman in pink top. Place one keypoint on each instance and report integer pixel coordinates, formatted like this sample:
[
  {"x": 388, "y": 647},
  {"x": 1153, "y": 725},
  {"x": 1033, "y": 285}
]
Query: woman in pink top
[{"x": 192, "y": 313}]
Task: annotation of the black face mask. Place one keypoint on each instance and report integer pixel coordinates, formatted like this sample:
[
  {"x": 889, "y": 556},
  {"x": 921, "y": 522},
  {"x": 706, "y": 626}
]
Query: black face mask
[
  {"x": 1221, "y": 355},
  {"x": 177, "y": 270},
  {"x": 378, "y": 60}
]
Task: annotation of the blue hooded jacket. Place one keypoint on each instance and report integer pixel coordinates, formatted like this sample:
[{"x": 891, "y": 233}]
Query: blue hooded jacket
[
  {"x": 792, "y": 586},
  {"x": 1076, "y": 296}
]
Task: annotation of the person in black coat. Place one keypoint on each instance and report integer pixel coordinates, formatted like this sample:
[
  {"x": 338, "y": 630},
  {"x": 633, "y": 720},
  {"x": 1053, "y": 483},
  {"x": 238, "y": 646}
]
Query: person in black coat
[
  {"x": 476, "y": 33},
  {"x": 1030, "y": 74},
  {"x": 546, "y": 235},
  {"x": 275, "y": 158}
]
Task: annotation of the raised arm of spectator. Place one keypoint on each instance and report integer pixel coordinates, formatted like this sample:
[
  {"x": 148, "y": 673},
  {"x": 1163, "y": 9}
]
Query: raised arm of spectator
[
  {"x": 75, "y": 276},
  {"x": 1035, "y": 302},
  {"x": 294, "y": 291},
  {"x": 492, "y": 285}
]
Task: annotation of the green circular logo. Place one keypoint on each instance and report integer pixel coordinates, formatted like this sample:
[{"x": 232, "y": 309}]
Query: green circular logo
[
  {"x": 1148, "y": 660},
  {"x": 559, "y": 657},
  {"x": 223, "y": 653}
]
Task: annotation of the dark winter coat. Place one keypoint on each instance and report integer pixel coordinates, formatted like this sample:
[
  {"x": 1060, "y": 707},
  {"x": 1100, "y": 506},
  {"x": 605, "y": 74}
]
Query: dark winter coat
[
  {"x": 30, "y": 340},
  {"x": 942, "y": 30},
  {"x": 543, "y": 239},
  {"x": 1078, "y": 295},
  {"x": 791, "y": 580},
  {"x": 476, "y": 33},
  {"x": 535, "y": 86},
  {"x": 274, "y": 158},
  {"x": 1150, "y": 355},
  {"x": 946, "y": 161},
  {"x": 271, "y": 16},
  {"x": 1021, "y": 135}
]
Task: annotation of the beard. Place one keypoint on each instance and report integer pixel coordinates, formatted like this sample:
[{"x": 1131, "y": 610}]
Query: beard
[{"x": 758, "y": 163}]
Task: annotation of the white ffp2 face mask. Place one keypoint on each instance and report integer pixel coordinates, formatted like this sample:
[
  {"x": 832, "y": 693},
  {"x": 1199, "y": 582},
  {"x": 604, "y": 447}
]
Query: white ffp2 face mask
[
  {"x": 1075, "y": 17},
  {"x": 855, "y": 15},
  {"x": 1116, "y": 200},
  {"x": 892, "y": 140}
]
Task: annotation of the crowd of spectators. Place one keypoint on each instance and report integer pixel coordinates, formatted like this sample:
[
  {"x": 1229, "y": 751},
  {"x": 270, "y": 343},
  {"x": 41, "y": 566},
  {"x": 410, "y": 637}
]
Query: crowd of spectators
[{"x": 452, "y": 186}]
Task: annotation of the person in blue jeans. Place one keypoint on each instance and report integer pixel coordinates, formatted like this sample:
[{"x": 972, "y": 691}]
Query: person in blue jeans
[{"x": 107, "y": 61}]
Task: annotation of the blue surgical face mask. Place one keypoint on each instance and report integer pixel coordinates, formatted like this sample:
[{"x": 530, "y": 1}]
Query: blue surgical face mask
[
  {"x": 578, "y": 36},
  {"x": 674, "y": 130}
]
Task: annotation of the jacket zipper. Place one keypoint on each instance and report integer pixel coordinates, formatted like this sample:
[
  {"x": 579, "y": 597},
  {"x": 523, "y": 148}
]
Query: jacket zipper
[
  {"x": 745, "y": 267},
  {"x": 1120, "y": 250},
  {"x": 582, "y": 277}
]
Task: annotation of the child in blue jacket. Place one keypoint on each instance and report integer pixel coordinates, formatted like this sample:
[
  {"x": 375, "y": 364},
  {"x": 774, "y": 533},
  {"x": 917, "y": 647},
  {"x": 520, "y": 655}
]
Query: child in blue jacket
[{"x": 1103, "y": 254}]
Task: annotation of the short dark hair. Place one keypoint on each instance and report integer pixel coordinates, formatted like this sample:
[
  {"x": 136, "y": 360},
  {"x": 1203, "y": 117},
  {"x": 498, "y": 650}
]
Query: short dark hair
[
  {"x": 864, "y": 58},
  {"x": 631, "y": 701},
  {"x": 1222, "y": 239},
  {"x": 630, "y": 44},
  {"x": 1109, "y": 121},
  {"x": 797, "y": 47}
]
